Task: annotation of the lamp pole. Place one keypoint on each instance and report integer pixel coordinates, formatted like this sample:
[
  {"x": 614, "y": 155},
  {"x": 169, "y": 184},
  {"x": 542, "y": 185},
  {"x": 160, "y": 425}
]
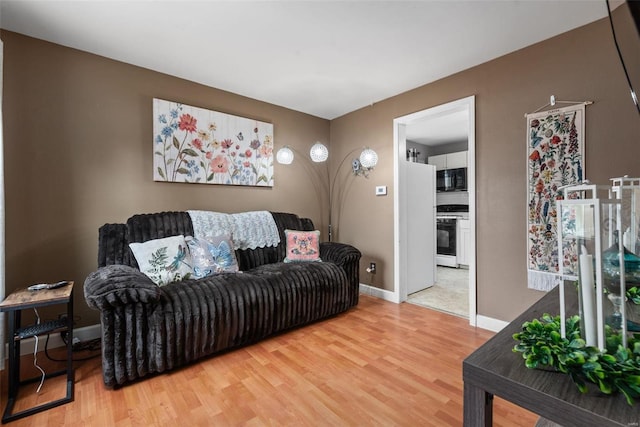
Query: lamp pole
[{"x": 332, "y": 187}]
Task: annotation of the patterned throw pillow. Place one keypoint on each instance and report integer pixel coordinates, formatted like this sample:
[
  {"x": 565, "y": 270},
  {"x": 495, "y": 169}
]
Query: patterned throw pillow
[
  {"x": 213, "y": 256},
  {"x": 163, "y": 260},
  {"x": 302, "y": 245}
]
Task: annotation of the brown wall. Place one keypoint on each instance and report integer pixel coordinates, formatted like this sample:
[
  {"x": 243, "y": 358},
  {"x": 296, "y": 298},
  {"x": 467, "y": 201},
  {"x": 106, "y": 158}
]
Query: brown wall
[
  {"x": 78, "y": 138},
  {"x": 578, "y": 65},
  {"x": 78, "y": 152}
]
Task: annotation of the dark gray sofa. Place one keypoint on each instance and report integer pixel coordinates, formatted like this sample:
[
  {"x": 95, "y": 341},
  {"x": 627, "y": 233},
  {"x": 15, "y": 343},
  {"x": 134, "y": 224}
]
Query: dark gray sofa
[{"x": 148, "y": 329}]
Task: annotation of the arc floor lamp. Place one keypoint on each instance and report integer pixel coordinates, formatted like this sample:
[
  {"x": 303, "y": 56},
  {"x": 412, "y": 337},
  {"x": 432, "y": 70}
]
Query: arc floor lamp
[{"x": 319, "y": 153}]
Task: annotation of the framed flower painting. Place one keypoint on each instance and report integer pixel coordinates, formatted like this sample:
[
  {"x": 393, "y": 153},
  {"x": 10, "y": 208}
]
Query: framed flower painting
[{"x": 196, "y": 145}]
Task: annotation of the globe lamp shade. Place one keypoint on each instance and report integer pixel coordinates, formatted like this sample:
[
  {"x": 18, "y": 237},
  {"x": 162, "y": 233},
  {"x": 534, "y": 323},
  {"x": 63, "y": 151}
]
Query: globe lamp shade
[
  {"x": 319, "y": 152},
  {"x": 368, "y": 158},
  {"x": 284, "y": 156}
]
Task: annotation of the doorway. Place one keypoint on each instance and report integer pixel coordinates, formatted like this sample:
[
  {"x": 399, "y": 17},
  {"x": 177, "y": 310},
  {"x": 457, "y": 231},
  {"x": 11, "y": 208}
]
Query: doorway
[{"x": 436, "y": 122}]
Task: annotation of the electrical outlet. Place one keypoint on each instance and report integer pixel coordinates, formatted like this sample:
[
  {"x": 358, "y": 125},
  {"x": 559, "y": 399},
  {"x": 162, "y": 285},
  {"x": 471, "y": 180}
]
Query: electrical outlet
[{"x": 372, "y": 268}]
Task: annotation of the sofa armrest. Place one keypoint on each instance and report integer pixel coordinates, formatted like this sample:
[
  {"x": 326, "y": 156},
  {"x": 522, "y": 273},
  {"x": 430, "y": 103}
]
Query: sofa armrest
[
  {"x": 117, "y": 285},
  {"x": 339, "y": 253}
]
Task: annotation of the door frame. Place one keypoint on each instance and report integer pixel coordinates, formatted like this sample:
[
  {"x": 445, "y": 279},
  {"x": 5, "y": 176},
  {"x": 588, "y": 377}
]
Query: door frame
[{"x": 400, "y": 231}]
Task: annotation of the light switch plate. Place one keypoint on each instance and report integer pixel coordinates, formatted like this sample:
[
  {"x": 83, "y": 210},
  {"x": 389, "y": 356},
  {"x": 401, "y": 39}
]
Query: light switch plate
[{"x": 381, "y": 190}]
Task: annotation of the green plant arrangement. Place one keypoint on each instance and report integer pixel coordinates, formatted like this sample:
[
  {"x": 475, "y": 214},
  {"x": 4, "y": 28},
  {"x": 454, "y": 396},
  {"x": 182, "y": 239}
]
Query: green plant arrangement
[
  {"x": 633, "y": 294},
  {"x": 616, "y": 369}
]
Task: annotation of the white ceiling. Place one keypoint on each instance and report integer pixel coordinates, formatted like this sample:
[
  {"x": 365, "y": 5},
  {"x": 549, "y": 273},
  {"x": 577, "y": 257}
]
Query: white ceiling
[
  {"x": 442, "y": 129},
  {"x": 325, "y": 58}
]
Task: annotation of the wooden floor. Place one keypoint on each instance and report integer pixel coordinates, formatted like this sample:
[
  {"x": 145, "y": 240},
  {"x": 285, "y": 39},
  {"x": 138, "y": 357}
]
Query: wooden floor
[{"x": 379, "y": 364}]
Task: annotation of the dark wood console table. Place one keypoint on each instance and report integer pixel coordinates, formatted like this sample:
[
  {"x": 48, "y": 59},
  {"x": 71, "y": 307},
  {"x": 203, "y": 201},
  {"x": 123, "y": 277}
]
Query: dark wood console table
[{"x": 495, "y": 370}]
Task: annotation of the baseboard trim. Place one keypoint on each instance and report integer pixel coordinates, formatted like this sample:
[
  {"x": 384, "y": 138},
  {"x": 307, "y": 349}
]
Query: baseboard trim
[
  {"x": 377, "y": 292},
  {"x": 490, "y": 323},
  {"x": 86, "y": 333},
  {"x": 482, "y": 322}
]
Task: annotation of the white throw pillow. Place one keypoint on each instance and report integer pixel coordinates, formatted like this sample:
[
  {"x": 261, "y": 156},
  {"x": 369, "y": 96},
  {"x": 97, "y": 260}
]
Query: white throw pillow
[{"x": 164, "y": 260}]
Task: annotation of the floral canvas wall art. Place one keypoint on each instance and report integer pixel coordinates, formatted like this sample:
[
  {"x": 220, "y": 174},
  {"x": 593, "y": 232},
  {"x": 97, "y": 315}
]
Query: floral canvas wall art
[
  {"x": 555, "y": 159},
  {"x": 196, "y": 145}
]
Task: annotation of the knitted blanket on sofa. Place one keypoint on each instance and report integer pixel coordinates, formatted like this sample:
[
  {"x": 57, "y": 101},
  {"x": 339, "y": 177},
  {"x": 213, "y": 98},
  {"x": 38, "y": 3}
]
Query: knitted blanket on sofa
[{"x": 248, "y": 230}]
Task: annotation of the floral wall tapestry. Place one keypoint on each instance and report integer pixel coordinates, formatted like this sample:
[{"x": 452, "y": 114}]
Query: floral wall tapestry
[
  {"x": 555, "y": 141},
  {"x": 191, "y": 144}
]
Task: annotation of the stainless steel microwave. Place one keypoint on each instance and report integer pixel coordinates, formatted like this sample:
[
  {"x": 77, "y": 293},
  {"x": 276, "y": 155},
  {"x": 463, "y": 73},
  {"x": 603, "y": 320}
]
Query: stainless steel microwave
[{"x": 451, "y": 179}]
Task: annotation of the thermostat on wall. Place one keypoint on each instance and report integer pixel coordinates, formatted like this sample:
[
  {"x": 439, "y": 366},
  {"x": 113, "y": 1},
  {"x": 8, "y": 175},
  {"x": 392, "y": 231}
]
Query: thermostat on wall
[{"x": 381, "y": 190}]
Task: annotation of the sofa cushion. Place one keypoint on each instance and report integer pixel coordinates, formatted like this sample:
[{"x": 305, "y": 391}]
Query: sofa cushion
[
  {"x": 308, "y": 291},
  {"x": 302, "y": 245},
  {"x": 164, "y": 260},
  {"x": 212, "y": 256}
]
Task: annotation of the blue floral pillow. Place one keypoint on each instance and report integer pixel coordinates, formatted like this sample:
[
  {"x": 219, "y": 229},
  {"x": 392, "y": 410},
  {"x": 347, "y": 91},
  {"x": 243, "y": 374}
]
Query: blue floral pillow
[
  {"x": 213, "y": 256},
  {"x": 163, "y": 260}
]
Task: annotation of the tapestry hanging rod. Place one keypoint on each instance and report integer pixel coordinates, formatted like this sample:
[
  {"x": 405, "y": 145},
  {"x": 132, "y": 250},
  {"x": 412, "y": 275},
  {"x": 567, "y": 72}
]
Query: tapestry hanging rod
[{"x": 553, "y": 102}]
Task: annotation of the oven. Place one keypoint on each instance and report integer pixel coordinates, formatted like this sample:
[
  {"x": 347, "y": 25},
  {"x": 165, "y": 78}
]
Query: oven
[
  {"x": 447, "y": 217},
  {"x": 446, "y": 237}
]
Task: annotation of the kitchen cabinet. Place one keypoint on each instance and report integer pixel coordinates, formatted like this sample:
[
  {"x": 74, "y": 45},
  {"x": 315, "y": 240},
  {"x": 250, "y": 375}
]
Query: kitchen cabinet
[
  {"x": 449, "y": 161},
  {"x": 440, "y": 162},
  {"x": 464, "y": 241},
  {"x": 457, "y": 160}
]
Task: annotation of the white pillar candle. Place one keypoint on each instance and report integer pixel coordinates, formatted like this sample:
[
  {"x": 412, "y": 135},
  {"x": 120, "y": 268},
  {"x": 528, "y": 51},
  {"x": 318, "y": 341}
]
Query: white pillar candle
[{"x": 588, "y": 293}]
